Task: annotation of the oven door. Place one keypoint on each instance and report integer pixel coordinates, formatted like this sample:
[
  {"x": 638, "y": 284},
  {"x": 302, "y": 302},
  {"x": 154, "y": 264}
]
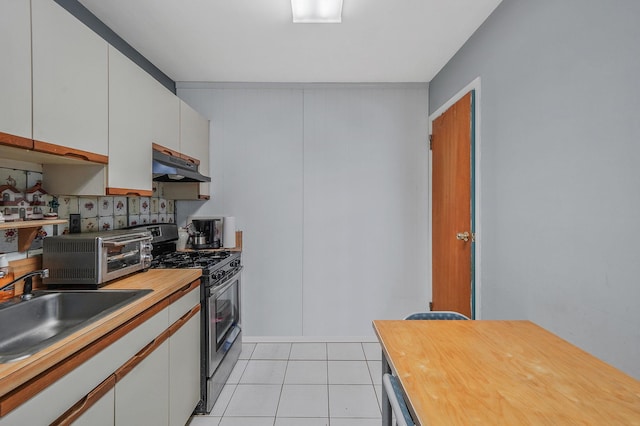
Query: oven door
[
  {"x": 223, "y": 310},
  {"x": 123, "y": 255}
]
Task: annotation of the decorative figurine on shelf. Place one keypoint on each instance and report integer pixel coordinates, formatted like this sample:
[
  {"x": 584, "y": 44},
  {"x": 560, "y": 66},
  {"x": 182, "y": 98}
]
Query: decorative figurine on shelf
[
  {"x": 13, "y": 202},
  {"x": 18, "y": 206},
  {"x": 35, "y": 197},
  {"x": 53, "y": 209}
]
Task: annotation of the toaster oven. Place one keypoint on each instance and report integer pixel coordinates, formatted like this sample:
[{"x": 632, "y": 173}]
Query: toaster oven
[{"x": 93, "y": 259}]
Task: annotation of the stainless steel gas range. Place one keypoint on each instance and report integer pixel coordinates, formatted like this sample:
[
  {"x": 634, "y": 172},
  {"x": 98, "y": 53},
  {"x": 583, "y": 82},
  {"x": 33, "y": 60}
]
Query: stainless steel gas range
[{"x": 221, "y": 341}]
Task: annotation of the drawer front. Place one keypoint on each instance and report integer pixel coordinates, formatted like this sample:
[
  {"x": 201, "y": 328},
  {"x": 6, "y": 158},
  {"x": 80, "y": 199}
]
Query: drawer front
[{"x": 184, "y": 304}]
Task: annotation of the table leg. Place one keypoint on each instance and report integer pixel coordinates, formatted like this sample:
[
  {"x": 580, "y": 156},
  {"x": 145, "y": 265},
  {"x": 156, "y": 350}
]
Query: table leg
[{"x": 386, "y": 405}]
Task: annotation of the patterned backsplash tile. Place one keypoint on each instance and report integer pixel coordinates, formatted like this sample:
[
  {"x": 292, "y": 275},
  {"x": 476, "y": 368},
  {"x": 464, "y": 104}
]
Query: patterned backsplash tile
[{"x": 23, "y": 193}]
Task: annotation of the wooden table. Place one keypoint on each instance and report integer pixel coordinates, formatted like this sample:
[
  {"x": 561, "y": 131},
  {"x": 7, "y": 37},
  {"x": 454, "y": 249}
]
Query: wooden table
[{"x": 501, "y": 372}]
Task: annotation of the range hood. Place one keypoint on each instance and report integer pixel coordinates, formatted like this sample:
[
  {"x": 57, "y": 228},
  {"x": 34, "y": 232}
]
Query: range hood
[{"x": 167, "y": 168}]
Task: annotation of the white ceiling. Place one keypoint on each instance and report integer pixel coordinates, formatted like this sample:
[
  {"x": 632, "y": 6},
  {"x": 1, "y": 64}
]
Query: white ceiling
[{"x": 256, "y": 41}]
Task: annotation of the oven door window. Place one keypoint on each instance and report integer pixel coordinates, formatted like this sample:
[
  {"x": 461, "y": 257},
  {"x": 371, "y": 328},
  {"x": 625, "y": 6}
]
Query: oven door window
[
  {"x": 225, "y": 312},
  {"x": 122, "y": 256}
]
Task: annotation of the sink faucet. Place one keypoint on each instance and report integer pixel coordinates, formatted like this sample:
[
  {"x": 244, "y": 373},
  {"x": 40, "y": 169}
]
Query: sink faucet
[{"x": 28, "y": 282}]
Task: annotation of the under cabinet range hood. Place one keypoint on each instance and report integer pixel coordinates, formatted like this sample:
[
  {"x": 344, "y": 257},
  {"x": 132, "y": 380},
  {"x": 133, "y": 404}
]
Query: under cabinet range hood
[{"x": 167, "y": 168}]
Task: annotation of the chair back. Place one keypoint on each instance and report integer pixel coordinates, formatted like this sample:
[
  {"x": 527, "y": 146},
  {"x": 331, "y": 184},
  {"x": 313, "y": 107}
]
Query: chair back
[
  {"x": 437, "y": 315},
  {"x": 396, "y": 399}
]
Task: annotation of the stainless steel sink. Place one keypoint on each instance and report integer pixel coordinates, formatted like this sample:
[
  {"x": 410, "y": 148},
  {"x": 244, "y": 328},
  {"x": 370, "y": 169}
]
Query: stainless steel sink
[{"x": 31, "y": 325}]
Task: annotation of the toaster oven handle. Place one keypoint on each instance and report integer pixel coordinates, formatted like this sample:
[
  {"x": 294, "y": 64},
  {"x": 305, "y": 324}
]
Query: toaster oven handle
[
  {"x": 125, "y": 242},
  {"x": 122, "y": 256}
]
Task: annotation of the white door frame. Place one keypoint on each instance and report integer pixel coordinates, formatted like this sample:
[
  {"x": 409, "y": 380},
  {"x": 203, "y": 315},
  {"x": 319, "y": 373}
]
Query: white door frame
[{"x": 474, "y": 85}]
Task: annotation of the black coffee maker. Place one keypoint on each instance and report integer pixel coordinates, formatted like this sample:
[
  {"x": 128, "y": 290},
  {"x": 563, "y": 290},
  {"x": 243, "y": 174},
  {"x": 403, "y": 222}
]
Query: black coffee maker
[{"x": 207, "y": 233}]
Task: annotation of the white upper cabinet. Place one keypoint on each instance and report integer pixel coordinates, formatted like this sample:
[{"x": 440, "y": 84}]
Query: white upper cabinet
[
  {"x": 194, "y": 146},
  {"x": 141, "y": 112},
  {"x": 164, "y": 107},
  {"x": 194, "y": 140},
  {"x": 70, "y": 81},
  {"x": 15, "y": 71},
  {"x": 130, "y": 126},
  {"x": 194, "y": 132}
]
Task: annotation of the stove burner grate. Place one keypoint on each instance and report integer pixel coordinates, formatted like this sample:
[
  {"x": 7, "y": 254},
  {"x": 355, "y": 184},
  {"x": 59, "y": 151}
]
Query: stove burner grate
[{"x": 195, "y": 259}]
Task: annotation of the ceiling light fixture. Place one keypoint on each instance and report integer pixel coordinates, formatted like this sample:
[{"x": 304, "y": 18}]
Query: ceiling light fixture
[{"x": 317, "y": 11}]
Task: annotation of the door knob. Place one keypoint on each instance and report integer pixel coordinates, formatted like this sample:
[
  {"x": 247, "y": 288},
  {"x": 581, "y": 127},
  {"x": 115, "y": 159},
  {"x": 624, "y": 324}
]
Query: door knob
[{"x": 464, "y": 236}]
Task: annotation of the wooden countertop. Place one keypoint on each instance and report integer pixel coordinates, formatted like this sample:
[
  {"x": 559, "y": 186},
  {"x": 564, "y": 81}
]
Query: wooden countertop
[
  {"x": 503, "y": 372},
  {"x": 163, "y": 282}
]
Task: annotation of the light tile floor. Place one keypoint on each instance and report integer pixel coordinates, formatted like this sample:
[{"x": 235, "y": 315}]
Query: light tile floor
[{"x": 301, "y": 384}]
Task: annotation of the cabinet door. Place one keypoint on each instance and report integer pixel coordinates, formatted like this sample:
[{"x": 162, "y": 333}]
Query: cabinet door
[
  {"x": 142, "y": 395},
  {"x": 184, "y": 371},
  {"x": 129, "y": 127},
  {"x": 164, "y": 107},
  {"x": 194, "y": 140},
  {"x": 15, "y": 72},
  {"x": 70, "y": 82}
]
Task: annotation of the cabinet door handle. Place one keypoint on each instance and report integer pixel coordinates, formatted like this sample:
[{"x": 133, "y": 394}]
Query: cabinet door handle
[
  {"x": 184, "y": 291},
  {"x": 80, "y": 407},
  {"x": 183, "y": 320},
  {"x": 76, "y": 155},
  {"x": 191, "y": 286},
  {"x": 141, "y": 355}
]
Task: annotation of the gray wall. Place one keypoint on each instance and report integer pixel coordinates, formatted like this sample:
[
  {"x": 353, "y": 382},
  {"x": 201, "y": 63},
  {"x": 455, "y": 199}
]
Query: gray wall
[
  {"x": 560, "y": 167},
  {"x": 330, "y": 185}
]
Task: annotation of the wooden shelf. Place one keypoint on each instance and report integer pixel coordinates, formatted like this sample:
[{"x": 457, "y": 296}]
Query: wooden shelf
[
  {"x": 31, "y": 223},
  {"x": 28, "y": 229}
]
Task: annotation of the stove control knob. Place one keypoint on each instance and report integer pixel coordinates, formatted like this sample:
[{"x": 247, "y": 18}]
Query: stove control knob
[{"x": 146, "y": 260}]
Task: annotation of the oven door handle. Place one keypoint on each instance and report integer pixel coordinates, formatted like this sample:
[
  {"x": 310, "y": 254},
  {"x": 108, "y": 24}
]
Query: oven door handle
[{"x": 228, "y": 283}]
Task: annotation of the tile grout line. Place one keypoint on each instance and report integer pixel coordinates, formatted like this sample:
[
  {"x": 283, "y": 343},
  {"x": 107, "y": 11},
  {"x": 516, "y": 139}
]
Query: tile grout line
[
  {"x": 275, "y": 417},
  {"x": 326, "y": 351}
]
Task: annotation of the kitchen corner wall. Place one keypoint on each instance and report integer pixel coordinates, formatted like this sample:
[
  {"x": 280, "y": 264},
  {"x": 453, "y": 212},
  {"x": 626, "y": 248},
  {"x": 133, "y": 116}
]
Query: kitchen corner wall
[
  {"x": 96, "y": 213},
  {"x": 560, "y": 180},
  {"x": 329, "y": 184}
]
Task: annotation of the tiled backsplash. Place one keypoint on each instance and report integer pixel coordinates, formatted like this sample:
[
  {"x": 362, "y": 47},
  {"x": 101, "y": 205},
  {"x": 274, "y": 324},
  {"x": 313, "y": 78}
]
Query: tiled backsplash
[
  {"x": 20, "y": 194},
  {"x": 106, "y": 213}
]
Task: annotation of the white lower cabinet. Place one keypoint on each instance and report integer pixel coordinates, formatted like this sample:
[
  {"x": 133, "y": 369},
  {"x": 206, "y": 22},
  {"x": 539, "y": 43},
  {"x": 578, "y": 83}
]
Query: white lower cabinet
[
  {"x": 52, "y": 402},
  {"x": 184, "y": 371},
  {"x": 150, "y": 376},
  {"x": 142, "y": 396}
]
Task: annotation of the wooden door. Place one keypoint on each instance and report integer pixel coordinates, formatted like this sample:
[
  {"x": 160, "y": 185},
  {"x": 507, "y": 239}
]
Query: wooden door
[{"x": 452, "y": 208}]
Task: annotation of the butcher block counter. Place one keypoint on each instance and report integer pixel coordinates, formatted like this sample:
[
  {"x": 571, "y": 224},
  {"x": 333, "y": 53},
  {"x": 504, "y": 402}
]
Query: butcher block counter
[
  {"x": 501, "y": 373},
  {"x": 20, "y": 379}
]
